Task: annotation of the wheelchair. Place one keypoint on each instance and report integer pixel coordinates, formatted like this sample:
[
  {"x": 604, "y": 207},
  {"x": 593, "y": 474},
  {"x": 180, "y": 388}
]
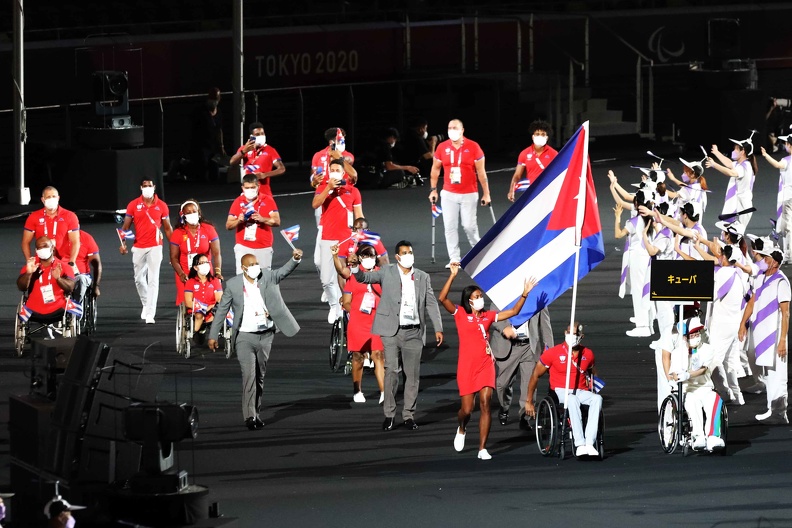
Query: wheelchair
[
  {"x": 339, "y": 353},
  {"x": 674, "y": 427},
  {"x": 185, "y": 332},
  {"x": 88, "y": 319},
  {"x": 61, "y": 322},
  {"x": 554, "y": 429}
]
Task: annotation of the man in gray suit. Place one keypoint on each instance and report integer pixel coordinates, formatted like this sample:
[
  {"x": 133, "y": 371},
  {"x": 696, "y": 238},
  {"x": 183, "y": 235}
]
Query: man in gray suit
[
  {"x": 259, "y": 311},
  {"x": 407, "y": 298},
  {"x": 518, "y": 349}
]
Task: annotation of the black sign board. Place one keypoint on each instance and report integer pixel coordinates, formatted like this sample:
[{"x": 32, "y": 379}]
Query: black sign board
[{"x": 682, "y": 280}]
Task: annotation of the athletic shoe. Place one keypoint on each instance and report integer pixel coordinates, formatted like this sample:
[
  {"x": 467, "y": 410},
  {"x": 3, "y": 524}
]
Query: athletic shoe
[
  {"x": 699, "y": 442},
  {"x": 459, "y": 441},
  {"x": 149, "y": 320},
  {"x": 367, "y": 363},
  {"x": 359, "y": 398},
  {"x": 765, "y": 415},
  {"x": 581, "y": 451},
  {"x": 714, "y": 442},
  {"x": 592, "y": 451},
  {"x": 144, "y": 314},
  {"x": 633, "y": 320},
  {"x": 484, "y": 455},
  {"x": 740, "y": 399},
  {"x": 640, "y": 331},
  {"x": 333, "y": 314}
]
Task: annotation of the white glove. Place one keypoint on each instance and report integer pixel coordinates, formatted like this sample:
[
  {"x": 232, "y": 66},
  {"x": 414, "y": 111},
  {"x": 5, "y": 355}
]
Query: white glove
[
  {"x": 683, "y": 376},
  {"x": 672, "y": 384}
]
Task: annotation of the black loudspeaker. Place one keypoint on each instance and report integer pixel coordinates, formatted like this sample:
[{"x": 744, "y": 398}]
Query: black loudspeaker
[
  {"x": 50, "y": 358},
  {"x": 723, "y": 38},
  {"x": 117, "y": 172},
  {"x": 111, "y": 93},
  {"x": 28, "y": 424},
  {"x": 105, "y": 461}
]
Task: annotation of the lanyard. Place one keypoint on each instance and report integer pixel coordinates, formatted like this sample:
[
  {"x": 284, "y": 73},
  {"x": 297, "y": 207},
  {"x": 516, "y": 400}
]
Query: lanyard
[
  {"x": 459, "y": 162},
  {"x": 54, "y": 226},
  {"x": 197, "y": 239},
  {"x": 538, "y": 161},
  {"x": 153, "y": 223}
]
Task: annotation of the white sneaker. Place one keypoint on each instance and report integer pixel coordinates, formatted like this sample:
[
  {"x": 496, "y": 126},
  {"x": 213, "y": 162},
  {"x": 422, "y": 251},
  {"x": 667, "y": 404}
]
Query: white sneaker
[
  {"x": 144, "y": 314},
  {"x": 149, "y": 320},
  {"x": 484, "y": 455},
  {"x": 592, "y": 451},
  {"x": 459, "y": 441},
  {"x": 581, "y": 451},
  {"x": 367, "y": 363},
  {"x": 382, "y": 398},
  {"x": 324, "y": 297},
  {"x": 740, "y": 399},
  {"x": 448, "y": 266},
  {"x": 699, "y": 442},
  {"x": 714, "y": 442},
  {"x": 765, "y": 415},
  {"x": 640, "y": 331},
  {"x": 333, "y": 314},
  {"x": 359, "y": 398}
]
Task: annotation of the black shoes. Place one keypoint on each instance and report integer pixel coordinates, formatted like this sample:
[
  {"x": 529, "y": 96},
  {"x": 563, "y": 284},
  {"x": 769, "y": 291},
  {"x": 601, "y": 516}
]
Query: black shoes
[
  {"x": 503, "y": 417},
  {"x": 253, "y": 424},
  {"x": 388, "y": 424},
  {"x": 410, "y": 424},
  {"x": 525, "y": 425}
]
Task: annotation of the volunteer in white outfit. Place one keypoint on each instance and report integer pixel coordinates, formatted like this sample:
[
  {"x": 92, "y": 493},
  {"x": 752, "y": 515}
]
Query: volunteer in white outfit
[
  {"x": 769, "y": 307},
  {"x": 693, "y": 186},
  {"x": 784, "y": 201},
  {"x": 149, "y": 213},
  {"x": 688, "y": 229},
  {"x": 691, "y": 361},
  {"x": 741, "y": 169}
]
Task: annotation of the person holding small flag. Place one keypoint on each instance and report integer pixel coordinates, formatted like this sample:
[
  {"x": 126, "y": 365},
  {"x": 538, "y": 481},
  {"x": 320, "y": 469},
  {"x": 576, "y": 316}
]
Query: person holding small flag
[
  {"x": 253, "y": 215},
  {"x": 47, "y": 281},
  {"x": 476, "y": 363},
  {"x": 150, "y": 215},
  {"x": 202, "y": 292},
  {"x": 532, "y": 160},
  {"x": 362, "y": 236},
  {"x": 258, "y": 158}
]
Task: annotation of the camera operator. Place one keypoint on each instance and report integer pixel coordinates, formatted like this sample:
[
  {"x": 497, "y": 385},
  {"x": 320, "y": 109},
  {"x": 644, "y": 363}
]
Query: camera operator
[
  {"x": 417, "y": 146},
  {"x": 399, "y": 176}
]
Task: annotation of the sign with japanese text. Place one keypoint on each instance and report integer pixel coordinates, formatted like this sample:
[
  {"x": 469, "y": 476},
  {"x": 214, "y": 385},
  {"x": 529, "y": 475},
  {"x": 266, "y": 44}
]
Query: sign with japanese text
[{"x": 682, "y": 280}]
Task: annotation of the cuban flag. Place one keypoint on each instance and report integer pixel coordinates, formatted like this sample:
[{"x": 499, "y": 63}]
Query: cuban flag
[
  {"x": 291, "y": 233},
  {"x": 252, "y": 169},
  {"x": 230, "y": 318},
  {"x": 436, "y": 211},
  {"x": 126, "y": 235},
  {"x": 25, "y": 313},
  {"x": 540, "y": 234},
  {"x": 369, "y": 237},
  {"x": 199, "y": 307},
  {"x": 340, "y": 141},
  {"x": 597, "y": 384},
  {"x": 74, "y": 308},
  {"x": 522, "y": 186},
  {"x": 248, "y": 209}
]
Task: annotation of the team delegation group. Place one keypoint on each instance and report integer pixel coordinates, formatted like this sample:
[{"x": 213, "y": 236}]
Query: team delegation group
[{"x": 388, "y": 304}]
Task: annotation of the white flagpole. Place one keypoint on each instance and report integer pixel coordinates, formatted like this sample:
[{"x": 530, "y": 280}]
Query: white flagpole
[{"x": 580, "y": 212}]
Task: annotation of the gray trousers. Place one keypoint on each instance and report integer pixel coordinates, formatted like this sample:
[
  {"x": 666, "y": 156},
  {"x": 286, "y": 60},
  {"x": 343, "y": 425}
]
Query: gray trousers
[
  {"x": 519, "y": 359},
  {"x": 253, "y": 352},
  {"x": 402, "y": 351}
]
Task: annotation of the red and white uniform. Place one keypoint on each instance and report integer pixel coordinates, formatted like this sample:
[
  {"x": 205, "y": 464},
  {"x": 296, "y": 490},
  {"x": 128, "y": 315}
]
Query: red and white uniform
[
  {"x": 321, "y": 161},
  {"x": 460, "y": 160},
  {"x": 350, "y": 247},
  {"x": 366, "y": 296},
  {"x": 475, "y": 368},
  {"x": 147, "y": 249},
  {"x": 41, "y": 282},
  {"x": 88, "y": 247},
  {"x": 534, "y": 165},
  {"x": 263, "y": 157},
  {"x": 147, "y": 220},
  {"x": 252, "y": 237},
  {"x": 190, "y": 245},
  {"x": 203, "y": 292},
  {"x": 338, "y": 211},
  {"x": 56, "y": 228}
]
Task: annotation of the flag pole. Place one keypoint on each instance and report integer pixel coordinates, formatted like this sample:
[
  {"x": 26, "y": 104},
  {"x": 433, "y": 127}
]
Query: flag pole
[{"x": 581, "y": 209}]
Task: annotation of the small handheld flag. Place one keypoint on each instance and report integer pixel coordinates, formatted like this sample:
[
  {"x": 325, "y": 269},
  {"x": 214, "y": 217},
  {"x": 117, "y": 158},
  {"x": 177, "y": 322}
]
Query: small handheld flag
[
  {"x": 74, "y": 308},
  {"x": 522, "y": 186},
  {"x": 230, "y": 318},
  {"x": 125, "y": 235},
  {"x": 290, "y": 234},
  {"x": 368, "y": 237},
  {"x": 436, "y": 211},
  {"x": 248, "y": 210},
  {"x": 24, "y": 314},
  {"x": 252, "y": 169},
  {"x": 597, "y": 384},
  {"x": 340, "y": 141},
  {"x": 199, "y": 307}
]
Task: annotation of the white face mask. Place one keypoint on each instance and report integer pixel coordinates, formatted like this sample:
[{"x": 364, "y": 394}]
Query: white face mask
[
  {"x": 44, "y": 253},
  {"x": 250, "y": 194},
  {"x": 407, "y": 260},
  {"x": 51, "y": 203},
  {"x": 540, "y": 141},
  {"x": 203, "y": 269},
  {"x": 425, "y": 134},
  {"x": 253, "y": 271},
  {"x": 392, "y": 144},
  {"x": 477, "y": 304},
  {"x": 576, "y": 342},
  {"x": 368, "y": 262},
  {"x": 261, "y": 141},
  {"x": 694, "y": 342},
  {"x": 147, "y": 192},
  {"x": 337, "y": 175},
  {"x": 192, "y": 218},
  {"x": 454, "y": 134},
  {"x": 354, "y": 269}
]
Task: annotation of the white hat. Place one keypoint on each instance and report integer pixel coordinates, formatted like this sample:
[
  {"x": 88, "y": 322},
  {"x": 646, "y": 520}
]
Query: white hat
[
  {"x": 646, "y": 186},
  {"x": 764, "y": 245},
  {"x": 746, "y": 144},
  {"x": 692, "y": 325},
  {"x": 735, "y": 228},
  {"x": 784, "y": 138},
  {"x": 654, "y": 175},
  {"x": 694, "y": 208},
  {"x": 695, "y": 166},
  {"x": 57, "y": 506}
]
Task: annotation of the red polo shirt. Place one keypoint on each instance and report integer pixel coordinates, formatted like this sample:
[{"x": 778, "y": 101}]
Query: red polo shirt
[
  {"x": 261, "y": 159},
  {"x": 147, "y": 220},
  {"x": 56, "y": 228},
  {"x": 88, "y": 247},
  {"x": 321, "y": 160},
  {"x": 338, "y": 211},
  {"x": 43, "y": 278},
  {"x": 264, "y": 206},
  {"x": 534, "y": 165},
  {"x": 555, "y": 359},
  {"x": 465, "y": 158}
]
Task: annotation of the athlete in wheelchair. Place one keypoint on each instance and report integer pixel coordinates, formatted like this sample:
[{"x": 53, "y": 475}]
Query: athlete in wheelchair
[
  {"x": 46, "y": 282},
  {"x": 552, "y": 421},
  {"x": 688, "y": 368},
  {"x": 202, "y": 292}
]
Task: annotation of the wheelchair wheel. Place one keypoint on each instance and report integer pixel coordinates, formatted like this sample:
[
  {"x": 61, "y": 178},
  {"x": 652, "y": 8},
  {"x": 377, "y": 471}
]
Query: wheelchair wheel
[
  {"x": 20, "y": 334},
  {"x": 338, "y": 345},
  {"x": 227, "y": 341},
  {"x": 547, "y": 427},
  {"x": 601, "y": 436},
  {"x": 183, "y": 332},
  {"x": 724, "y": 429},
  {"x": 668, "y": 424},
  {"x": 88, "y": 321},
  {"x": 71, "y": 326}
]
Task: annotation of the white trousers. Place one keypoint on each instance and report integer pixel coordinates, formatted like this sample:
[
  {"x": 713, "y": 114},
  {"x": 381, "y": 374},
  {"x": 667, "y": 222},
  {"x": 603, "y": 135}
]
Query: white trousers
[
  {"x": 263, "y": 255},
  {"x": 594, "y": 401},
  {"x": 327, "y": 272},
  {"x": 665, "y": 320},
  {"x": 784, "y": 226},
  {"x": 454, "y": 206},
  {"x": 775, "y": 379},
  {"x": 146, "y": 265},
  {"x": 639, "y": 267},
  {"x": 663, "y": 388},
  {"x": 699, "y": 403}
]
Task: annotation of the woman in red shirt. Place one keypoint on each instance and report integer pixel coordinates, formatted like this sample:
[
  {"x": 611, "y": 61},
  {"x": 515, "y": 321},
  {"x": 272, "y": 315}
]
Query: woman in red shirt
[
  {"x": 476, "y": 366},
  {"x": 201, "y": 292},
  {"x": 192, "y": 235},
  {"x": 361, "y": 301}
]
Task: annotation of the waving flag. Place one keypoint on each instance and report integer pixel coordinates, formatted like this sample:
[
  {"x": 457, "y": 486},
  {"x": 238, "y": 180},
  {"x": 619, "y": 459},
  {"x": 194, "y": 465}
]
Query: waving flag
[
  {"x": 539, "y": 235},
  {"x": 248, "y": 209},
  {"x": 24, "y": 314},
  {"x": 291, "y": 233},
  {"x": 368, "y": 237},
  {"x": 436, "y": 211},
  {"x": 73, "y": 307},
  {"x": 521, "y": 186},
  {"x": 340, "y": 141},
  {"x": 252, "y": 169},
  {"x": 230, "y": 318},
  {"x": 199, "y": 307},
  {"x": 126, "y": 235}
]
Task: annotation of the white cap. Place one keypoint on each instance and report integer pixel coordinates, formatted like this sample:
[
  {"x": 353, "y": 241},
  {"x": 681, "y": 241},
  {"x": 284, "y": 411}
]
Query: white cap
[
  {"x": 767, "y": 245},
  {"x": 695, "y": 166},
  {"x": 746, "y": 144},
  {"x": 736, "y": 228},
  {"x": 654, "y": 175},
  {"x": 695, "y": 209}
]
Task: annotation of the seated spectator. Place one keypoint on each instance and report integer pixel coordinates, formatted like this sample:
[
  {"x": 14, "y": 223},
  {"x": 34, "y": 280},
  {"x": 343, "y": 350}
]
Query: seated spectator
[
  {"x": 201, "y": 293},
  {"x": 418, "y": 146},
  {"x": 383, "y": 171},
  {"x": 46, "y": 279}
]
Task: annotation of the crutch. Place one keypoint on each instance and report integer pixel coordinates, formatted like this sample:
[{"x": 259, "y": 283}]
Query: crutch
[
  {"x": 492, "y": 212},
  {"x": 434, "y": 218}
]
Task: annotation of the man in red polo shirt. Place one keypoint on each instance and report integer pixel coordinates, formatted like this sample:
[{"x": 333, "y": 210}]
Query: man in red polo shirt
[
  {"x": 258, "y": 158},
  {"x": 89, "y": 266},
  {"x": 47, "y": 280},
  {"x": 340, "y": 204},
  {"x": 149, "y": 213},
  {"x": 56, "y": 223},
  {"x": 555, "y": 360},
  {"x": 253, "y": 215},
  {"x": 462, "y": 161},
  {"x": 533, "y": 160}
]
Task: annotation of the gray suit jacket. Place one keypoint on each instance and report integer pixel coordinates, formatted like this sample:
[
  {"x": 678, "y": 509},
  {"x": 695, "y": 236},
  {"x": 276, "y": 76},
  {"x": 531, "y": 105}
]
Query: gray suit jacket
[
  {"x": 386, "y": 321},
  {"x": 539, "y": 332},
  {"x": 234, "y": 297}
]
